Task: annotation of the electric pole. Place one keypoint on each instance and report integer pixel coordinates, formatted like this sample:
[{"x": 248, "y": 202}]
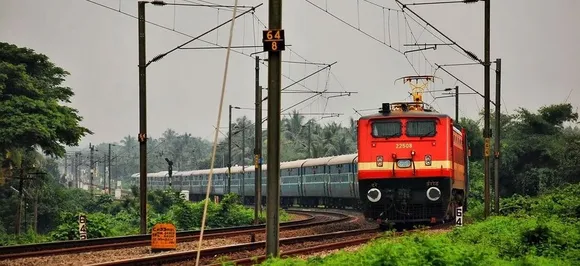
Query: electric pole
[
  {"x": 497, "y": 130},
  {"x": 92, "y": 166},
  {"x": 309, "y": 141},
  {"x": 274, "y": 43},
  {"x": 486, "y": 126},
  {"x": 65, "y": 167},
  {"x": 228, "y": 190},
  {"x": 19, "y": 207},
  {"x": 243, "y": 161},
  {"x": 73, "y": 169},
  {"x": 109, "y": 172},
  {"x": 258, "y": 146},
  {"x": 76, "y": 169},
  {"x": 457, "y": 104},
  {"x": 104, "y": 172},
  {"x": 142, "y": 118}
]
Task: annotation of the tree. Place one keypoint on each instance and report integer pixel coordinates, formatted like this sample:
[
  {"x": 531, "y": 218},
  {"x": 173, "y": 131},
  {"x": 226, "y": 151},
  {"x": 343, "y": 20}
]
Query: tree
[
  {"x": 31, "y": 111},
  {"x": 475, "y": 140},
  {"x": 538, "y": 154}
]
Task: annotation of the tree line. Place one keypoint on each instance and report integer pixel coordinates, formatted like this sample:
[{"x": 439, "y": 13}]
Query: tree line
[{"x": 300, "y": 138}]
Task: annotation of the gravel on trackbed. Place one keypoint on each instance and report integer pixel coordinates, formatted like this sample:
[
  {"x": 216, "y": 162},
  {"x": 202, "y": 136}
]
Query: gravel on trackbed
[
  {"x": 126, "y": 253},
  {"x": 262, "y": 251}
]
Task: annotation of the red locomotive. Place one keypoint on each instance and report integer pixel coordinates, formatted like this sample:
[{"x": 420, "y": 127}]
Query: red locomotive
[{"x": 411, "y": 162}]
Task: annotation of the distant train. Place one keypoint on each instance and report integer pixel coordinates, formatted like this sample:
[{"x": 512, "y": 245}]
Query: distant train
[{"x": 329, "y": 181}]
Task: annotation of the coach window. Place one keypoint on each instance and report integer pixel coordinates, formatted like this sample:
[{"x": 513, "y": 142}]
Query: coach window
[
  {"x": 424, "y": 128},
  {"x": 386, "y": 129}
]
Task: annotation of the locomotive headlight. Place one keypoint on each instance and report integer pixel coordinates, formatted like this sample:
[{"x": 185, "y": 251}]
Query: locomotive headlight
[
  {"x": 427, "y": 160},
  {"x": 433, "y": 194},
  {"x": 374, "y": 195},
  {"x": 380, "y": 161}
]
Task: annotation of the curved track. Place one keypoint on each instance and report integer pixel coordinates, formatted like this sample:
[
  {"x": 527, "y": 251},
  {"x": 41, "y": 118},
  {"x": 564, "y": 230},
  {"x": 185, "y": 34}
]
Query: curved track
[
  {"x": 341, "y": 240},
  {"x": 315, "y": 218},
  {"x": 211, "y": 252}
]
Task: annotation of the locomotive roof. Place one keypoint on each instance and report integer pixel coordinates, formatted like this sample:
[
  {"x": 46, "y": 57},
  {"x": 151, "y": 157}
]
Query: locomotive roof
[{"x": 401, "y": 114}]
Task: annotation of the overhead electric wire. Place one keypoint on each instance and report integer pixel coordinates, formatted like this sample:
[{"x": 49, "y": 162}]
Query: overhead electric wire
[
  {"x": 470, "y": 54},
  {"x": 466, "y": 53},
  {"x": 158, "y": 57},
  {"x": 416, "y": 40},
  {"x": 182, "y": 33},
  {"x": 439, "y": 38},
  {"x": 167, "y": 28},
  {"x": 365, "y": 33},
  {"x": 462, "y": 82},
  {"x": 306, "y": 61}
]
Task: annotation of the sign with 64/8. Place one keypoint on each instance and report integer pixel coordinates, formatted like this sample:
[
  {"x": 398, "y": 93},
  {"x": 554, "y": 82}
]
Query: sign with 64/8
[{"x": 273, "y": 40}]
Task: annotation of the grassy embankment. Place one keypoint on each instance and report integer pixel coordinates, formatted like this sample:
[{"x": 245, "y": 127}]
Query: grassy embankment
[{"x": 531, "y": 231}]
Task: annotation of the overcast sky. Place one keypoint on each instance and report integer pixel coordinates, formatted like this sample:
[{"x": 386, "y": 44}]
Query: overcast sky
[{"x": 536, "y": 40}]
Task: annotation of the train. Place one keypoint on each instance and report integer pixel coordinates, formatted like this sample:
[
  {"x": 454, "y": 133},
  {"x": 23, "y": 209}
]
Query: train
[
  {"x": 412, "y": 166},
  {"x": 326, "y": 181},
  {"x": 413, "y": 162}
]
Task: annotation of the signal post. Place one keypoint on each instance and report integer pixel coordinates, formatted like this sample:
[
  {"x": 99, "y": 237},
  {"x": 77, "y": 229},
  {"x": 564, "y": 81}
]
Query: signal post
[{"x": 274, "y": 43}]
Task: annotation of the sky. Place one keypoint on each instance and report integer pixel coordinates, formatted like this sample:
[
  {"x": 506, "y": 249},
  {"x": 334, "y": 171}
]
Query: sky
[{"x": 99, "y": 47}]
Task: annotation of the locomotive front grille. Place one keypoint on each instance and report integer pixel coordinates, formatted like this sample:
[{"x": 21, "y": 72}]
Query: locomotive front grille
[
  {"x": 405, "y": 199},
  {"x": 410, "y": 212}
]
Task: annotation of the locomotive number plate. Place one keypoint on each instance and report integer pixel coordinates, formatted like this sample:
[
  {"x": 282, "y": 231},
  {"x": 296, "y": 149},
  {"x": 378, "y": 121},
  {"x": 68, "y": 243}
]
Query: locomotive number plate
[{"x": 403, "y": 145}]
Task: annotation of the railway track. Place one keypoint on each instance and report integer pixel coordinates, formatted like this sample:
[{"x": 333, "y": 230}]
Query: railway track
[
  {"x": 247, "y": 253},
  {"x": 208, "y": 254},
  {"x": 352, "y": 241},
  {"x": 80, "y": 246}
]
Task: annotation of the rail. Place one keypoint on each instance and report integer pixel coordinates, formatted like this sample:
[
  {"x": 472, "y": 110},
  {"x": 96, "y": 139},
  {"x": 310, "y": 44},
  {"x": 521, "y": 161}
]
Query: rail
[
  {"x": 78, "y": 246},
  {"x": 210, "y": 252}
]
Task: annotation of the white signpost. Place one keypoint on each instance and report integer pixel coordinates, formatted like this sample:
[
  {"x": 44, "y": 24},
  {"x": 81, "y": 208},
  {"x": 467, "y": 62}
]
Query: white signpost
[
  {"x": 184, "y": 194},
  {"x": 459, "y": 216},
  {"x": 83, "y": 226}
]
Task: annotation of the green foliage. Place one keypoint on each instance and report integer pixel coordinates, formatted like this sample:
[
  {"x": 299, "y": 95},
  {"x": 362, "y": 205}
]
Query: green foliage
[
  {"x": 26, "y": 238},
  {"x": 162, "y": 200},
  {"x": 31, "y": 93},
  {"x": 563, "y": 205},
  {"x": 108, "y": 218},
  {"x": 542, "y": 231},
  {"x": 68, "y": 229},
  {"x": 229, "y": 212},
  {"x": 474, "y": 138}
]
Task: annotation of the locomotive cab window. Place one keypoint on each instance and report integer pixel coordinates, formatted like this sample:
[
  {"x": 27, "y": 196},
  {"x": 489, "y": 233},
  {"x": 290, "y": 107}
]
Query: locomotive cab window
[
  {"x": 421, "y": 128},
  {"x": 386, "y": 129}
]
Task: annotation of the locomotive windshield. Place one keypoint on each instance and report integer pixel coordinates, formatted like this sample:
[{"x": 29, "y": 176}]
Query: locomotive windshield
[
  {"x": 424, "y": 128},
  {"x": 386, "y": 129}
]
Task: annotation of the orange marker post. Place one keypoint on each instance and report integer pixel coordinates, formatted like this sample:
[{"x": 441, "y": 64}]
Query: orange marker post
[{"x": 163, "y": 237}]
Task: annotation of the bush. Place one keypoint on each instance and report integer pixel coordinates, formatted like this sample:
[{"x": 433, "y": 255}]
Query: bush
[
  {"x": 29, "y": 237},
  {"x": 229, "y": 212},
  {"x": 536, "y": 231},
  {"x": 498, "y": 241},
  {"x": 98, "y": 225}
]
